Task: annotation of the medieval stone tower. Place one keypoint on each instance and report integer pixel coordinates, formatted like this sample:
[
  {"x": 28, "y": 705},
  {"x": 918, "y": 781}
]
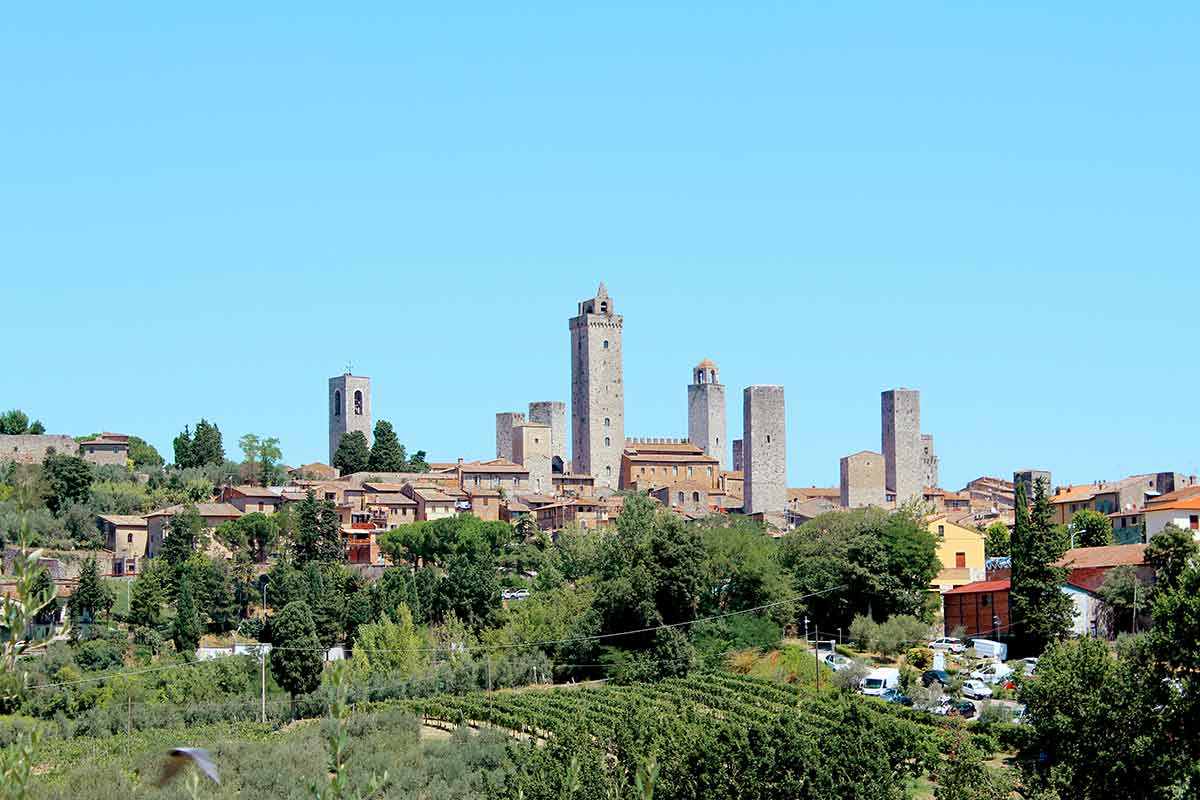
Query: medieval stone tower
[
  {"x": 902, "y": 453},
  {"x": 706, "y": 411},
  {"x": 505, "y": 422},
  {"x": 554, "y": 414},
  {"x": 764, "y": 449},
  {"x": 349, "y": 408},
  {"x": 597, "y": 390}
]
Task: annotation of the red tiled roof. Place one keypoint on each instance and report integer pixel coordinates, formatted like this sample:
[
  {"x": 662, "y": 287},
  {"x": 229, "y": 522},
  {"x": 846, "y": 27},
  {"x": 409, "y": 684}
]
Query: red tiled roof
[
  {"x": 1112, "y": 556},
  {"x": 982, "y": 586}
]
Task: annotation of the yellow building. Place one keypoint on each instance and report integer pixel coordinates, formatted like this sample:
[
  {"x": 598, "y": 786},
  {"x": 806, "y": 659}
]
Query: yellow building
[{"x": 960, "y": 549}]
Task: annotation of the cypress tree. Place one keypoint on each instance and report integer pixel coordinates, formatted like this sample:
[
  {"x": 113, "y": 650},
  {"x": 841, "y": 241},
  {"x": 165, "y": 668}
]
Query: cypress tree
[
  {"x": 296, "y": 657},
  {"x": 206, "y": 445},
  {"x": 387, "y": 454},
  {"x": 92, "y": 599},
  {"x": 352, "y": 454},
  {"x": 186, "y": 629},
  {"x": 1040, "y": 612}
]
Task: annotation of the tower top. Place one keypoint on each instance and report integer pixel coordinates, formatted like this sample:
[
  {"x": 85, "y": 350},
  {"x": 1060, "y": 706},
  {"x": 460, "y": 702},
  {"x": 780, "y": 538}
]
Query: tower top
[
  {"x": 705, "y": 372},
  {"x": 601, "y": 304},
  {"x": 602, "y": 292}
]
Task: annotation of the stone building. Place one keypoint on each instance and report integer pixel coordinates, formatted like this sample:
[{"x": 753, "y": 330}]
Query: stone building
[
  {"x": 706, "y": 410},
  {"x": 33, "y": 448},
  {"x": 531, "y": 446},
  {"x": 1029, "y": 478},
  {"x": 597, "y": 390},
  {"x": 107, "y": 448},
  {"x": 126, "y": 537},
  {"x": 739, "y": 459},
  {"x": 764, "y": 429},
  {"x": 349, "y": 409},
  {"x": 681, "y": 467},
  {"x": 901, "y": 412},
  {"x": 862, "y": 481},
  {"x": 554, "y": 414},
  {"x": 929, "y": 462},
  {"x": 505, "y": 422}
]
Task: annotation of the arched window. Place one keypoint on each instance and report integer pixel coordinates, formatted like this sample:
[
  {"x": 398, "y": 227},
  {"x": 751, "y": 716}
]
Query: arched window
[
  {"x": 608, "y": 472},
  {"x": 768, "y": 438},
  {"x": 675, "y": 470},
  {"x": 607, "y": 442},
  {"x": 605, "y": 344},
  {"x": 607, "y": 422},
  {"x": 680, "y": 497},
  {"x": 712, "y": 376},
  {"x": 129, "y": 537},
  {"x": 357, "y": 403},
  {"x": 695, "y": 497},
  {"x": 337, "y": 403},
  {"x": 603, "y": 307}
]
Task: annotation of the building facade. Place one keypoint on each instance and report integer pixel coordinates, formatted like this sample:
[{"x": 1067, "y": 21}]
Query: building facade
[
  {"x": 739, "y": 455},
  {"x": 32, "y": 448},
  {"x": 349, "y": 409},
  {"x": 929, "y": 462},
  {"x": 531, "y": 447},
  {"x": 554, "y": 414},
  {"x": 506, "y": 421},
  {"x": 680, "y": 466},
  {"x": 706, "y": 410},
  {"x": 107, "y": 448},
  {"x": 1029, "y": 479},
  {"x": 901, "y": 428},
  {"x": 597, "y": 390},
  {"x": 862, "y": 480},
  {"x": 961, "y": 551},
  {"x": 764, "y": 426}
]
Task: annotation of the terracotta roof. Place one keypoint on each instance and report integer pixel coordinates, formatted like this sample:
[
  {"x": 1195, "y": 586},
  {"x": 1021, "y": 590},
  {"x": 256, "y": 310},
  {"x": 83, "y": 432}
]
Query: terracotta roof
[
  {"x": 735, "y": 474},
  {"x": 382, "y": 486},
  {"x": 668, "y": 459},
  {"x": 981, "y": 586},
  {"x": 125, "y": 520},
  {"x": 706, "y": 364},
  {"x": 516, "y": 506},
  {"x": 205, "y": 510},
  {"x": 483, "y": 493},
  {"x": 429, "y": 494},
  {"x": 671, "y": 446},
  {"x": 812, "y": 492},
  {"x": 1112, "y": 556},
  {"x": 1176, "y": 504},
  {"x": 253, "y": 491},
  {"x": 495, "y": 465},
  {"x": 392, "y": 499},
  {"x": 1075, "y": 494},
  {"x": 1127, "y": 512},
  {"x": 1186, "y": 492},
  {"x": 109, "y": 438}
]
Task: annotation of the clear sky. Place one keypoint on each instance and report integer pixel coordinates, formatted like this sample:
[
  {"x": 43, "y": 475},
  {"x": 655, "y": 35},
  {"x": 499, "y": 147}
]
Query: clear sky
[{"x": 209, "y": 209}]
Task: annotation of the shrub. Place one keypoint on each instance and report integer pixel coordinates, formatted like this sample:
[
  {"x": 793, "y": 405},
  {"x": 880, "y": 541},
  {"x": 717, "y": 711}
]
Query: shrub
[
  {"x": 920, "y": 658},
  {"x": 864, "y": 632}
]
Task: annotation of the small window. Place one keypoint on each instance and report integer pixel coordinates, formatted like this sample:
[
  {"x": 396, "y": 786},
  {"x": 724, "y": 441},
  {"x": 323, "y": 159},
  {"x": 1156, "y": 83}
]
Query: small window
[
  {"x": 695, "y": 497},
  {"x": 941, "y": 531},
  {"x": 679, "y": 498},
  {"x": 675, "y": 470},
  {"x": 358, "y": 403},
  {"x": 607, "y": 442},
  {"x": 129, "y": 537},
  {"x": 768, "y": 438},
  {"x": 337, "y": 403},
  {"x": 608, "y": 472},
  {"x": 605, "y": 344},
  {"x": 603, "y": 307},
  {"x": 1194, "y": 522},
  {"x": 985, "y": 600},
  {"x": 607, "y": 422}
]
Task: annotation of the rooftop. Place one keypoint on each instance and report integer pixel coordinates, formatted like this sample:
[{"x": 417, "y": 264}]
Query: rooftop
[
  {"x": 982, "y": 586},
  {"x": 1111, "y": 556},
  {"x": 204, "y": 509}
]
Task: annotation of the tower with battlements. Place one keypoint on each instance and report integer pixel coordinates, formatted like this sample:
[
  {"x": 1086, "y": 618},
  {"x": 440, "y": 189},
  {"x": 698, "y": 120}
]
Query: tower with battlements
[
  {"x": 597, "y": 390},
  {"x": 554, "y": 414},
  {"x": 349, "y": 408},
  {"x": 764, "y": 449},
  {"x": 706, "y": 411}
]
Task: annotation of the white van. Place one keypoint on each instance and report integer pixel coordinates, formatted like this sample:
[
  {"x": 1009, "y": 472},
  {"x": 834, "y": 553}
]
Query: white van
[
  {"x": 986, "y": 648},
  {"x": 995, "y": 673},
  {"x": 879, "y": 681}
]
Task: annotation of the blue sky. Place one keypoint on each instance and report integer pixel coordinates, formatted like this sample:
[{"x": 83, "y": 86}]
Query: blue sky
[{"x": 209, "y": 211}]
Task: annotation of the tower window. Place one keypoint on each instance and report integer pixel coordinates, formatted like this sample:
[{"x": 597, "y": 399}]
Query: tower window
[
  {"x": 608, "y": 472},
  {"x": 607, "y": 442},
  {"x": 337, "y": 403},
  {"x": 358, "y": 403},
  {"x": 695, "y": 497},
  {"x": 768, "y": 438},
  {"x": 607, "y": 422},
  {"x": 605, "y": 345},
  {"x": 603, "y": 307},
  {"x": 680, "y": 497}
]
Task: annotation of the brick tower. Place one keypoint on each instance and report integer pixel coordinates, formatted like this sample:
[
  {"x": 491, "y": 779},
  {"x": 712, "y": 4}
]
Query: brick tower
[
  {"x": 349, "y": 408},
  {"x": 764, "y": 449},
  {"x": 706, "y": 411},
  {"x": 597, "y": 390}
]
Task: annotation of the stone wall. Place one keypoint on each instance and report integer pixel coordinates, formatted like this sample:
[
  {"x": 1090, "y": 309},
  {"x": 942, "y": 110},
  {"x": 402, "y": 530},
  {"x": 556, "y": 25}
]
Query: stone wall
[
  {"x": 901, "y": 413},
  {"x": 33, "y": 448},
  {"x": 706, "y": 419},
  {"x": 863, "y": 476},
  {"x": 531, "y": 445},
  {"x": 506, "y": 422},
  {"x": 764, "y": 449},
  {"x": 1028, "y": 478},
  {"x": 929, "y": 462},
  {"x": 345, "y": 413},
  {"x": 554, "y": 414},
  {"x": 739, "y": 455}
]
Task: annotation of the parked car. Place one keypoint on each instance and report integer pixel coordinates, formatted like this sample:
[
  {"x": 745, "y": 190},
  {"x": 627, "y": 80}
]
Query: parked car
[
  {"x": 948, "y": 643},
  {"x": 514, "y": 594},
  {"x": 896, "y": 696},
  {"x": 961, "y": 708},
  {"x": 976, "y": 689},
  {"x": 1030, "y": 664},
  {"x": 986, "y": 648},
  {"x": 879, "y": 681},
  {"x": 995, "y": 673},
  {"x": 932, "y": 676},
  {"x": 837, "y": 662}
]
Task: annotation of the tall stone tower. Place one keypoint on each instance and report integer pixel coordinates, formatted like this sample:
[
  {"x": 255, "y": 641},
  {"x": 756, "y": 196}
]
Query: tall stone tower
[
  {"x": 764, "y": 449},
  {"x": 739, "y": 457},
  {"x": 349, "y": 408},
  {"x": 531, "y": 449},
  {"x": 505, "y": 422},
  {"x": 706, "y": 411},
  {"x": 929, "y": 462},
  {"x": 901, "y": 411},
  {"x": 597, "y": 390},
  {"x": 554, "y": 414},
  {"x": 862, "y": 480}
]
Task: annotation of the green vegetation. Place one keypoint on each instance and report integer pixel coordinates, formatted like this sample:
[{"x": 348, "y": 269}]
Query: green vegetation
[
  {"x": 1040, "y": 610},
  {"x": 1092, "y": 529},
  {"x": 352, "y": 453},
  {"x": 996, "y": 543}
]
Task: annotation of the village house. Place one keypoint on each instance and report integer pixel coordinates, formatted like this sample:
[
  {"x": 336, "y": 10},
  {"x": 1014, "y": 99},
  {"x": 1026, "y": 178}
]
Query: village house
[
  {"x": 250, "y": 499},
  {"x": 158, "y": 522},
  {"x": 498, "y": 473},
  {"x": 485, "y": 503},
  {"x": 573, "y": 484},
  {"x": 1180, "y": 508},
  {"x": 126, "y": 536},
  {"x": 432, "y": 503},
  {"x": 960, "y": 549},
  {"x": 678, "y": 466},
  {"x": 107, "y": 448}
]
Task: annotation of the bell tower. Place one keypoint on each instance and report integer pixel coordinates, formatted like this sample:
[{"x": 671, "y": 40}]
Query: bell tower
[{"x": 706, "y": 411}]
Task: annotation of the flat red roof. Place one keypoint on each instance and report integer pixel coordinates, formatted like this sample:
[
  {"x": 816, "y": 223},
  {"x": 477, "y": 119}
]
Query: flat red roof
[{"x": 982, "y": 586}]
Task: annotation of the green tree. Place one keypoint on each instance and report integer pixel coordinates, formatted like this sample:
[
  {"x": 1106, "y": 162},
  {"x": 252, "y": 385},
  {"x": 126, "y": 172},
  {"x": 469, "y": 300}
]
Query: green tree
[
  {"x": 387, "y": 454},
  {"x": 185, "y": 631},
  {"x": 148, "y": 594},
  {"x": 269, "y": 454},
  {"x": 417, "y": 462},
  {"x": 250, "y": 444},
  {"x": 37, "y": 428},
  {"x": 296, "y": 657},
  {"x": 184, "y": 535},
  {"x": 1124, "y": 595},
  {"x": 68, "y": 480},
  {"x": 392, "y": 647},
  {"x": 318, "y": 534},
  {"x": 996, "y": 543},
  {"x": 1092, "y": 529},
  {"x": 182, "y": 445},
  {"x": 963, "y": 775},
  {"x": 14, "y": 422},
  {"x": 259, "y": 531},
  {"x": 1040, "y": 611},
  {"x": 92, "y": 598},
  {"x": 352, "y": 454},
  {"x": 206, "y": 445},
  {"x": 1171, "y": 552},
  {"x": 143, "y": 455},
  {"x": 742, "y": 572}
]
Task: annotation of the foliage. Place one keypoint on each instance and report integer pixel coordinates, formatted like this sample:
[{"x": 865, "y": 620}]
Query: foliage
[
  {"x": 1092, "y": 529},
  {"x": 296, "y": 655},
  {"x": 863, "y": 561},
  {"x": 997, "y": 543},
  {"x": 743, "y": 571},
  {"x": 1123, "y": 595},
  {"x": 185, "y": 631},
  {"x": 352, "y": 454},
  {"x": 392, "y": 646},
  {"x": 387, "y": 454},
  {"x": 92, "y": 598},
  {"x": 203, "y": 448},
  {"x": 1170, "y": 553},
  {"x": 148, "y": 593},
  {"x": 14, "y": 422},
  {"x": 962, "y": 775},
  {"x": 919, "y": 658},
  {"x": 183, "y": 536},
  {"x": 143, "y": 455},
  {"x": 68, "y": 480},
  {"x": 1040, "y": 611},
  {"x": 318, "y": 535}
]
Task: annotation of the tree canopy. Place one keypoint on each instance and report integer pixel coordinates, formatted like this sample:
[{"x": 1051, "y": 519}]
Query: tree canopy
[
  {"x": 352, "y": 454},
  {"x": 1092, "y": 529},
  {"x": 1040, "y": 612}
]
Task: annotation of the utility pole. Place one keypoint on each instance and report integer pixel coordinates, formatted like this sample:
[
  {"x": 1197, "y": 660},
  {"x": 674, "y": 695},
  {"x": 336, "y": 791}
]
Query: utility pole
[
  {"x": 817, "y": 665},
  {"x": 1135, "y": 588},
  {"x": 262, "y": 654},
  {"x": 129, "y": 719},
  {"x": 489, "y": 665}
]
